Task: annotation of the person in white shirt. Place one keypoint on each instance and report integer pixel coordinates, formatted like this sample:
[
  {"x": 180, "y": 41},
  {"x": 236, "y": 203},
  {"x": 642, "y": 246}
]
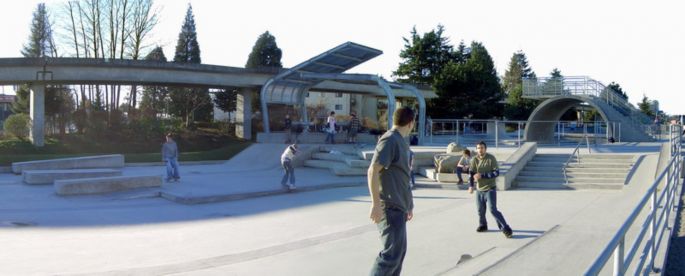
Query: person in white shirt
[
  {"x": 330, "y": 133},
  {"x": 287, "y": 163}
]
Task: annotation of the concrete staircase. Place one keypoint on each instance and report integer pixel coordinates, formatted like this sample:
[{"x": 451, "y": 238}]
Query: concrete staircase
[
  {"x": 341, "y": 161},
  {"x": 594, "y": 171}
]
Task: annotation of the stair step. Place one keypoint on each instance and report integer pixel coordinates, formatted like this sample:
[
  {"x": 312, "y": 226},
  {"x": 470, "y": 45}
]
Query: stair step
[
  {"x": 579, "y": 165},
  {"x": 575, "y": 169},
  {"x": 598, "y": 186},
  {"x": 607, "y": 156},
  {"x": 575, "y": 186},
  {"x": 574, "y": 174},
  {"x": 540, "y": 185},
  {"x": 561, "y": 179},
  {"x": 600, "y": 165}
]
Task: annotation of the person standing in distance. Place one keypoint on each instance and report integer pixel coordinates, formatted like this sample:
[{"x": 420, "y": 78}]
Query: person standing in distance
[
  {"x": 485, "y": 169},
  {"x": 170, "y": 159},
  {"x": 391, "y": 196}
]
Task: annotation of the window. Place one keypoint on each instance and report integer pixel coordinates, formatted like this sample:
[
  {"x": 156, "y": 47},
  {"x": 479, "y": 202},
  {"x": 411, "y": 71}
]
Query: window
[
  {"x": 338, "y": 95},
  {"x": 338, "y": 107}
]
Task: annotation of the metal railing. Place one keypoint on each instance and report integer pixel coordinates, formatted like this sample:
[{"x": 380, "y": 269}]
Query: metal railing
[
  {"x": 511, "y": 133},
  {"x": 656, "y": 222},
  {"x": 576, "y": 153}
]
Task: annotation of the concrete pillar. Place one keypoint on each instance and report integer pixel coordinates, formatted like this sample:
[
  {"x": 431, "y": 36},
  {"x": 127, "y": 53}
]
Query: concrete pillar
[
  {"x": 243, "y": 114},
  {"x": 369, "y": 106},
  {"x": 37, "y": 131}
]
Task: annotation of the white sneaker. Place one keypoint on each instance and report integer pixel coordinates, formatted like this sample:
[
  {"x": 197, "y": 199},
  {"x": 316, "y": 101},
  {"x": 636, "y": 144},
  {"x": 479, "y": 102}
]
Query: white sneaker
[{"x": 291, "y": 187}]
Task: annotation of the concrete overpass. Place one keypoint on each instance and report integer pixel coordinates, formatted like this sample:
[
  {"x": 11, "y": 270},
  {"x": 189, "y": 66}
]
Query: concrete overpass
[
  {"x": 39, "y": 73},
  {"x": 562, "y": 94}
]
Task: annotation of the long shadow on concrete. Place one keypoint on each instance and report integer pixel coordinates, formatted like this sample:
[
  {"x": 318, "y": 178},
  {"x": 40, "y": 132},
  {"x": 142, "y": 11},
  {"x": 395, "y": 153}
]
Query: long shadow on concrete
[{"x": 129, "y": 209}]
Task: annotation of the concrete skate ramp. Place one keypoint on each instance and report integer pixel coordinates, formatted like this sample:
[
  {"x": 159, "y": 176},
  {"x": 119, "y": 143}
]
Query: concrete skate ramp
[
  {"x": 265, "y": 157},
  {"x": 542, "y": 122}
]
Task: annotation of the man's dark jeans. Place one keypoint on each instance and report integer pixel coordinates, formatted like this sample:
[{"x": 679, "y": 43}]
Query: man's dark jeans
[
  {"x": 489, "y": 198},
  {"x": 393, "y": 228}
]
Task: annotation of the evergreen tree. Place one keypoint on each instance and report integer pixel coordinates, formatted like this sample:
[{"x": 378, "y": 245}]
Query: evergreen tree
[
  {"x": 187, "y": 47},
  {"x": 265, "y": 53},
  {"x": 517, "y": 107},
  {"x": 469, "y": 89},
  {"x": 617, "y": 88},
  {"x": 41, "y": 43},
  {"x": 646, "y": 106},
  {"x": 190, "y": 103},
  {"x": 154, "y": 97},
  {"x": 518, "y": 69},
  {"x": 555, "y": 74},
  {"x": 226, "y": 100},
  {"x": 423, "y": 57}
]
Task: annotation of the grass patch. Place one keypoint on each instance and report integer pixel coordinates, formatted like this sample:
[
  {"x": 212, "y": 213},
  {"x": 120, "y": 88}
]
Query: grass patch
[
  {"x": 197, "y": 145},
  {"x": 223, "y": 153}
]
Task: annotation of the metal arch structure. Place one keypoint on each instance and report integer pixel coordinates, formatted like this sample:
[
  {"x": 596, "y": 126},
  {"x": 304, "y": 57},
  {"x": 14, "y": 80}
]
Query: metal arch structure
[
  {"x": 289, "y": 87},
  {"x": 387, "y": 88}
]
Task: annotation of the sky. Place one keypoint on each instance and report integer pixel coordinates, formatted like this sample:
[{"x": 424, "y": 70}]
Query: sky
[{"x": 638, "y": 44}]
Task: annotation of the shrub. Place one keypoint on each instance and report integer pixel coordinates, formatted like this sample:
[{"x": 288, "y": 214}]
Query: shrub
[{"x": 18, "y": 125}]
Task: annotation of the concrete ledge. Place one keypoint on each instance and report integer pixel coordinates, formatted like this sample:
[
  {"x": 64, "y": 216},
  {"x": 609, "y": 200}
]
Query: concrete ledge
[
  {"x": 182, "y": 163},
  {"x": 105, "y": 184},
  {"x": 515, "y": 163},
  {"x": 347, "y": 171},
  {"x": 49, "y": 176},
  {"x": 190, "y": 199},
  {"x": 87, "y": 162}
]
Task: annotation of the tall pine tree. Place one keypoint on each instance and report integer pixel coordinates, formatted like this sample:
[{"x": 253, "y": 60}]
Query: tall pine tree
[
  {"x": 191, "y": 104},
  {"x": 265, "y": 53},
  {"x": 40, "y": 44},
  {"x": 517, "y": 107}
]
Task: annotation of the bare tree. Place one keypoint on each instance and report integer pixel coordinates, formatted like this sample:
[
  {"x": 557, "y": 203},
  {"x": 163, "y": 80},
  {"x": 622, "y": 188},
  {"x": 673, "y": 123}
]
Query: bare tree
[{"x": 144, "y": 19}]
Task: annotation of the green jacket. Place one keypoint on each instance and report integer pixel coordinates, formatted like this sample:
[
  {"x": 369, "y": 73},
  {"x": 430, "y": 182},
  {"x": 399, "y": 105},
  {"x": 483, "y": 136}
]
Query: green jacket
[{"x": 488, "y": 169}]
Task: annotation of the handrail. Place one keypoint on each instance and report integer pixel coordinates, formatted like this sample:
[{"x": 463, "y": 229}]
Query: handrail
[
  {"x": 672, "y": 174},
  {"x": 576, "y": 150}
]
